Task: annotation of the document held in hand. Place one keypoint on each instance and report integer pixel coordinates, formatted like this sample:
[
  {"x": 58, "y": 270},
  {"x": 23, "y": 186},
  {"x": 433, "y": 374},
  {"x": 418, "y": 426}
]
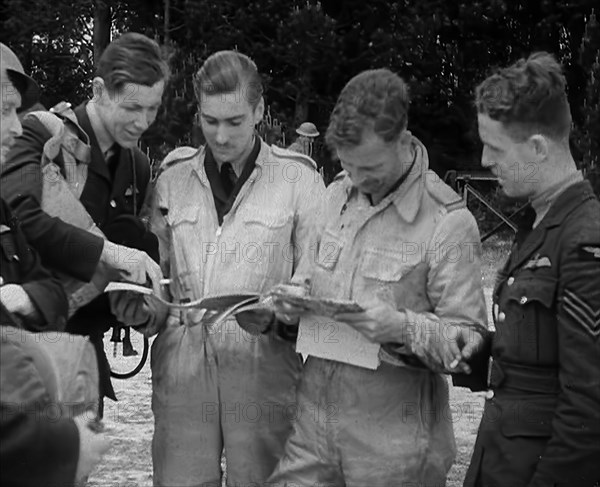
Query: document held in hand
[
  {"x": 228, "y": 304},
  {"x": 319, "y": 334},
  {"x": 326, "y": 338}
]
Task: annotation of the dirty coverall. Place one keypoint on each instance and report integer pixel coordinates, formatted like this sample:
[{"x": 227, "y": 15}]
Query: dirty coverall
[
  {"x": 418, "y": 249},
  {"x": 216, "y": 387}
]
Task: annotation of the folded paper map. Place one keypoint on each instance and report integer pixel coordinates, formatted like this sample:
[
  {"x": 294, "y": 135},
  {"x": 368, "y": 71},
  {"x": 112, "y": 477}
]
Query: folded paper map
[
  {"x": 318, "y": 306},
  {"x": 219, "y": 302},
  {"x": 310, "y": 304},
  {"x": 319, "y": 334}
]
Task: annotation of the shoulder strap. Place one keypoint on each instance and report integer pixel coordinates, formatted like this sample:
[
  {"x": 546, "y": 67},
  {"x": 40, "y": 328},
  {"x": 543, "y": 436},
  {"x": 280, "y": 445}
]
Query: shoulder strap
[
  {"x": 70, "y": 140},
  {"x": 443, "y": 193},
  {"x": 295, "y": 156},
  {"x": 180, "y": 154}
]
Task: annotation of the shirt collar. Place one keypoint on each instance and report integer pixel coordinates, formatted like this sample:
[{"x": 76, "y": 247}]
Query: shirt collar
[
  {"x": 261, "y": 158},
  {"x": 408, "y": 196}
]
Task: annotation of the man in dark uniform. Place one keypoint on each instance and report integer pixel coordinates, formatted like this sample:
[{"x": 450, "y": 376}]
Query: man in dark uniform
[
  {"x": 541, "y": 422},
  {"x": 29, "y": 292},
  {"x": 36, "y": 446},
  {"x": 128, "y": 89}
]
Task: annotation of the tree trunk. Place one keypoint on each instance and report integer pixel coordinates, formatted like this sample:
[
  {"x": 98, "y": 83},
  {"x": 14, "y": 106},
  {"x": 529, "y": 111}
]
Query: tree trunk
[
  {"x": 102, "y": 25},
  {"x": 167, "y": 27},
  {"x": 301, "y": 108}
]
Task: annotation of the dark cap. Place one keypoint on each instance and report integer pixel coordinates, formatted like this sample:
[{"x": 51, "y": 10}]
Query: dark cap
[{"x": 28, "y": 88}]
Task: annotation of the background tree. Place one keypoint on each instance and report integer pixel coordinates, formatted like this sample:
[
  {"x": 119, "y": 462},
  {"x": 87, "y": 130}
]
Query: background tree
[
  {"x": 587, "y": 136},
  {"x": 307, "y": 50}
]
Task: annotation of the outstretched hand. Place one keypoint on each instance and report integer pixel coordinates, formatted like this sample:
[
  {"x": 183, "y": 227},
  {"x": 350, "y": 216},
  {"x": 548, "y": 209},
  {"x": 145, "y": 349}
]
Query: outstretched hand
[{"x": 132, "y": 265}]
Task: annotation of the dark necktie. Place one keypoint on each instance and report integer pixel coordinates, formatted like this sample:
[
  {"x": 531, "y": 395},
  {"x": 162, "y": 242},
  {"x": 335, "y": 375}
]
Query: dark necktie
[
  {"x": 524, "y": 221},
  {"x": 228, "y": 178},
  {"x": 112, "y": 160}
]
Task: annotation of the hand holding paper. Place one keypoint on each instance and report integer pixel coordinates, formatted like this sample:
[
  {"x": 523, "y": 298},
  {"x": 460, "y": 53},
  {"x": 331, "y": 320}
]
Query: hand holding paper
[{"x": 379, "y": 322}]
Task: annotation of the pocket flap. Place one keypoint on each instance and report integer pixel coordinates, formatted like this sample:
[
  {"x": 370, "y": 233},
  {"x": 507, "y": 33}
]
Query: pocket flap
[
  {"x": 529, "y": 418},
  {"x": 330, "y": 249},
  {"x": 266, "y": 217},
  {"x": 384, "y": 264},
  {"x": 540, "y": 288},
  {"x": 183, "y": 214}
]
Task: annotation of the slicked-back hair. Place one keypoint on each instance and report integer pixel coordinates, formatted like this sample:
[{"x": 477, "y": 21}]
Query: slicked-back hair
[
  {"x": 229, "y": 72},
  {"x": 529, "y": 97},
  {"x": 132, "y": 58},
  {"x": 377, "y": 99}
]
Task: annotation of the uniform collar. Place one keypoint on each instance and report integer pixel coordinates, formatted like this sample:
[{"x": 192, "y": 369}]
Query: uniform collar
[
  {"x": 542, "y": 202},
  {"x": 104, "y": 139},
  {"x": 408, "y": 196},
  {"x": 572, "y": 197},
  {"x": 261, "y": 159},
  {"x": 263, "y": 154}
]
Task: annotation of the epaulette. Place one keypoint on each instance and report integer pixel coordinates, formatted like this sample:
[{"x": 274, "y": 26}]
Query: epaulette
[
  {"x": 296, "y": 156},
  {"x": 180, "y": 154},
  {"x": 443, "y": 193},
  {"x": 339, "y": 176}
]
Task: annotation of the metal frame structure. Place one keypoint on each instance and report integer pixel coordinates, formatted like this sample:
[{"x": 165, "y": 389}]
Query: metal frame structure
[{"x": 461, "y": 182}]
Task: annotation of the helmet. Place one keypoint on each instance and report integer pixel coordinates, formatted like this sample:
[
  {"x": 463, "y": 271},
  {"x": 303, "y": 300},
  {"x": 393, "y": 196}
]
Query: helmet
[
  {"x": 307, "y": 129},
  {"x": 28, "y": 88}
]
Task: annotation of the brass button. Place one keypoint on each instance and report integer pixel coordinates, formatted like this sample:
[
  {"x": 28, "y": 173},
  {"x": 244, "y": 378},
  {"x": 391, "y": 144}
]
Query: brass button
[
  {"x": 113, "y": 203},
  {"x": 510, "y": 281},
  {"x": 489, "y": 394},
  {"x": 523, "y": 299},
  {"x": 501, "y": 317}
]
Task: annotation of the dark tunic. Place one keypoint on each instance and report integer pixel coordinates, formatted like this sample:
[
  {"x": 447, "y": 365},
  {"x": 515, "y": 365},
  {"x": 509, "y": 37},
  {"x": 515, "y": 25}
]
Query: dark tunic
[
  {"x": 62, "y": 246},
  {"x": 541, "y": 423}
]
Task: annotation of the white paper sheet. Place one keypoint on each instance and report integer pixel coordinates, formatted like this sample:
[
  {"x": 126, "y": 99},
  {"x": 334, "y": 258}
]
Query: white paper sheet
[{"x": 324, "y": 337}]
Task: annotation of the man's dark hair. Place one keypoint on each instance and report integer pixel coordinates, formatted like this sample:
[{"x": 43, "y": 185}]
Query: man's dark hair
[
  {"x": 377, "y": 99},
  {"x": 528, "y": 97},
  {"x": 132, "y": 58},
  {"x": 229, "y": 72}
]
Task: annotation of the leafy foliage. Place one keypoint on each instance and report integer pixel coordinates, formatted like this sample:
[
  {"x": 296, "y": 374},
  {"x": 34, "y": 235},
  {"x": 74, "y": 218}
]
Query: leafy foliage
[{"x": 308, "y": 49}]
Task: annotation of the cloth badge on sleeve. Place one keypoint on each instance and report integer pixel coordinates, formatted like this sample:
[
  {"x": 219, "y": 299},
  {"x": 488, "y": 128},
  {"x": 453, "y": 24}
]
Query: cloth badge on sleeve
[
  {"x": 582, "y": 313},
  {"x": 589, "y": 252},
  {"x": 4, "y": 228}
]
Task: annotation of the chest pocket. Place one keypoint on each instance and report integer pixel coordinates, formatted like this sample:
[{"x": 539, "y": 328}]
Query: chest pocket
[
  {"x": 330, "y": 249},
  {"x": 261, "y": 219},
  {"x": 396, "y": 278},
  {"x": 182, "y": 215},
  {"x": 533, "y": 287},
  {"x": 186, "y": 248},
  {"x": 383, "y": 265},
  {"x": 526, "y": 314},
  {"x": 266, "y": 231}
]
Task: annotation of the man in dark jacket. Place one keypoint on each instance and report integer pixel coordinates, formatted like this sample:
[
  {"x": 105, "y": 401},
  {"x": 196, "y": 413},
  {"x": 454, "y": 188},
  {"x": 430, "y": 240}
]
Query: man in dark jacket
[
  {"x": 128, "y": 88},
  {"x": 30, "y": 294},
  {"x": 541, "y": 422},
  {"x": 36, "y": 447}
]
